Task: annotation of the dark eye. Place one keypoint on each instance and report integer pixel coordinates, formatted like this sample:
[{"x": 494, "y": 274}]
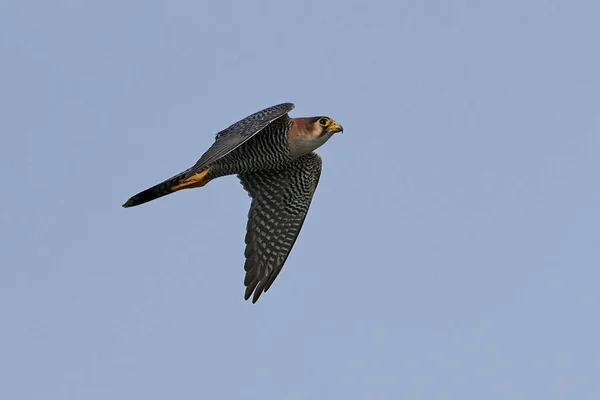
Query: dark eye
[{"x": 323, "y": 121}]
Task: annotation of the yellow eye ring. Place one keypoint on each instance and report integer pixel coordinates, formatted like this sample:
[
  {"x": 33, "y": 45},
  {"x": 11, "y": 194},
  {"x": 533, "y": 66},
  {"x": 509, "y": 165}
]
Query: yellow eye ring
[{"x": 323, "y": 122}]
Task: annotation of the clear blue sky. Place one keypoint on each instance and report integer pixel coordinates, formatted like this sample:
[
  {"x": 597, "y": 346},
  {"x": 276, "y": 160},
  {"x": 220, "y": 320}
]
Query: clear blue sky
[{"x": 452, "y": 250}]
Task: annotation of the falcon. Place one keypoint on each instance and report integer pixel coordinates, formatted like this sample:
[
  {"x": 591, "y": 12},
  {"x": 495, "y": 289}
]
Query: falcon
[{"x": 272, "y": 155}]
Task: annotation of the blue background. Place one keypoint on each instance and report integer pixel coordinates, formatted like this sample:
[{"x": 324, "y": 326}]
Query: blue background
[{"x": 451, "y": 250}]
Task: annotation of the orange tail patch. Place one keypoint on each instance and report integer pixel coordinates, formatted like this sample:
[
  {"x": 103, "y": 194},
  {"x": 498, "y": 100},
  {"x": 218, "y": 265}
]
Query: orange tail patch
[{"x": 196, "y": 180}]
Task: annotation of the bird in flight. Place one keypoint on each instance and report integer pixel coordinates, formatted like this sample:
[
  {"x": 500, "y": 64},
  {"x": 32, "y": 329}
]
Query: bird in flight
[{"x": 272, "y": 155}]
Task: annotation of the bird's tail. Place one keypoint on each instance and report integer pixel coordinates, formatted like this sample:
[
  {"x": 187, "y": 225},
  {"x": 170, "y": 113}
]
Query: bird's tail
[{"x": 178, "y": 182}]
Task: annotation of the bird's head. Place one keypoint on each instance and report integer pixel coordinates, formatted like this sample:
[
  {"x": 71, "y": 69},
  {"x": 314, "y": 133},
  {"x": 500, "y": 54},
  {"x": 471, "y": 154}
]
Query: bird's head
[{"x": 307, "y": 134}]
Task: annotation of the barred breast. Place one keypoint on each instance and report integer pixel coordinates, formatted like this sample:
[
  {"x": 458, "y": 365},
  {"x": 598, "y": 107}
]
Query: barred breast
[{"x": 268, "y": 149}]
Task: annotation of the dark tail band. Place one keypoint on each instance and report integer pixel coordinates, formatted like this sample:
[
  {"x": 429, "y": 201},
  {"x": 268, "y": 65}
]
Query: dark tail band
[
  {"x": 169, "y": 186},
  {"x": 156, "y": 191}
]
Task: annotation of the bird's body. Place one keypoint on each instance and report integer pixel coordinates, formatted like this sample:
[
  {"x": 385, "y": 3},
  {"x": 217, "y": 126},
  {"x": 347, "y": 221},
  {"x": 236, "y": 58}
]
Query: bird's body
[
  {"x": 272, "y": 154},
  {"x": 267, "y": 149}
]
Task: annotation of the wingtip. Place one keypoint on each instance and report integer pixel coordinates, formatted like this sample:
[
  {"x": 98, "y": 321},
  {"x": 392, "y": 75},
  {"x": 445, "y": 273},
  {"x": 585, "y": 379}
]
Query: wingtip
[
  {"x": 255, "y": 296},
  {"x": 289, "y": 106}
]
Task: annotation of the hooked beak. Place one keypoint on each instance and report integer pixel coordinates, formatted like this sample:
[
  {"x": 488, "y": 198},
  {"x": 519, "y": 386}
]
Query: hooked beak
[{"x": 335, "y": 128}]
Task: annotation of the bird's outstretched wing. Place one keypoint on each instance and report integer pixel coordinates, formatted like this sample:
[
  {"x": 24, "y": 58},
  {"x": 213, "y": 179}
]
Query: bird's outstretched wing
[
  {"x": 280, "y": 202},
  {"x": 231, "y": 138}
]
